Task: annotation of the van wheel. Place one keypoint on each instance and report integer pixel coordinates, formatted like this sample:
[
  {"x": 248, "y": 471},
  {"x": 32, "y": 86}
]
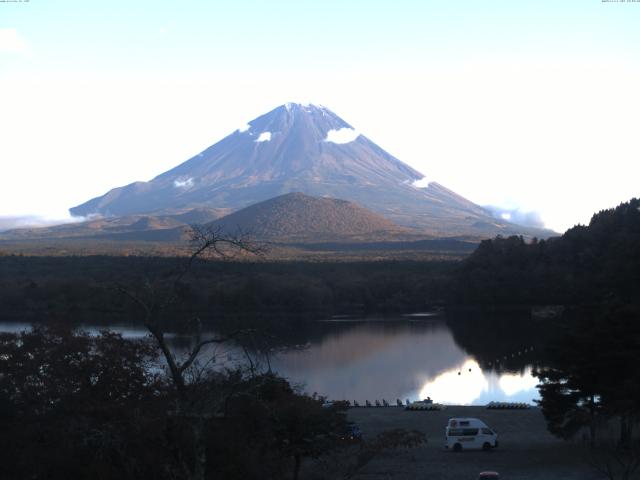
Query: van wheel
[
  {"x": 457, "y": 447},
  {"x": 486, "y": 446}
]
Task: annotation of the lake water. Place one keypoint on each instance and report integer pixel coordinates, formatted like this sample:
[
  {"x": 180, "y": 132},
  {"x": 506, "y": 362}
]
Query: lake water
[{"x": 410, "y": 357}]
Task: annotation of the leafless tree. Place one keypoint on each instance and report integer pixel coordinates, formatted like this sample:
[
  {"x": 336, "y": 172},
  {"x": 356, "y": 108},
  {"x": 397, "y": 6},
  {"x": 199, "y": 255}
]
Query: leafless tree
[{"x": 154, "y": 297}]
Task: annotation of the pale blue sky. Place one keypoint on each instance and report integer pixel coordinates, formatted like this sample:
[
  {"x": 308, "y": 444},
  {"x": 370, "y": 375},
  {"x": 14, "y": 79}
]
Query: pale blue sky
[{"x": 519, "y": 103}]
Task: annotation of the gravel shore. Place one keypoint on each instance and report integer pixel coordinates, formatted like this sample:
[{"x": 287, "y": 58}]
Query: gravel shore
[{"x": 527, "y": 451}]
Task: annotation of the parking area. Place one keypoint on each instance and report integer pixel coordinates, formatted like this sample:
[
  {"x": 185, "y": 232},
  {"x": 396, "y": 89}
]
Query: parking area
[{"x": 526, "y": 452}]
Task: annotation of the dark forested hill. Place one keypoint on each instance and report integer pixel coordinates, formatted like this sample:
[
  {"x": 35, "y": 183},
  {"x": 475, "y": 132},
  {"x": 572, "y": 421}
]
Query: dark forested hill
[{"x": 588, "y": 264}]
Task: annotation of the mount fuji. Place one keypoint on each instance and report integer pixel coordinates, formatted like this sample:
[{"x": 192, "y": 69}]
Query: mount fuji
[{"x": 308, "y": 149}]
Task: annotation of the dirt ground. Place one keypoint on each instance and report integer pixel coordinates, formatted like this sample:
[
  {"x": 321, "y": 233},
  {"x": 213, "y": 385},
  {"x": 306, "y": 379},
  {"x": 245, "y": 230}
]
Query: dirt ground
[{"x": 526, "y": 450}]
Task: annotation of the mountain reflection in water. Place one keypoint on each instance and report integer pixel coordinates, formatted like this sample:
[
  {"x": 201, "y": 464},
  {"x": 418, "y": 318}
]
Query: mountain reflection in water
[
  {"x": 399, "y": 359},
  {"x": 469, "y": 385}
]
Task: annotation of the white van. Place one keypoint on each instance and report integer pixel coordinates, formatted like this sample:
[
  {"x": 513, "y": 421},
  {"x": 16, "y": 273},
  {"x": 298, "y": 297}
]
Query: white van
[{"x": 469, "y": 433}]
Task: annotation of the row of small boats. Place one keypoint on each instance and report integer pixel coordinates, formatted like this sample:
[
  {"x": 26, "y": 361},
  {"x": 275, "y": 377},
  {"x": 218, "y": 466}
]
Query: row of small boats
[
  {"x": 508, "y": 406},
  {"x": 378, "y": 403},
  {"x": 423, "y": 405},
  {"x": 419, "y": 405}
]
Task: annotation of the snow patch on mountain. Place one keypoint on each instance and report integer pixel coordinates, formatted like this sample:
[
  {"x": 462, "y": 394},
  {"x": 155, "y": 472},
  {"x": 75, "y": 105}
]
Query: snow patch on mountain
[
  {"x": 264, "y": 137},
  {"x": 183, "y": 183},
  {"x": 424, "y": 182},
  {"x": 342, "y": 135},
  {"x": 306, "y": 106}
]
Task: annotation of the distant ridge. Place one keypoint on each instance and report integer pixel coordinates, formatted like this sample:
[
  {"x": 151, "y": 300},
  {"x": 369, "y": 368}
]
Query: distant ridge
[
  {"x": 308, "y": 149},
  {"x": 143, "y": 227}
]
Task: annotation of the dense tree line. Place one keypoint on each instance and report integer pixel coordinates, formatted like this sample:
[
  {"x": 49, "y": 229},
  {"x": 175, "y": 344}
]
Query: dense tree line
[
  {"x": 587, "y": 265},
  {"x": 81, "y": 289}
]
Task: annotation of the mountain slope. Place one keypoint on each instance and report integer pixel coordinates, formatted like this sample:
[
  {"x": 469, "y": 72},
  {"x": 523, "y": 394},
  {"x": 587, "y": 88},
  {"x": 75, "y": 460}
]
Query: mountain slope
[{"x": 290, "y": 149}]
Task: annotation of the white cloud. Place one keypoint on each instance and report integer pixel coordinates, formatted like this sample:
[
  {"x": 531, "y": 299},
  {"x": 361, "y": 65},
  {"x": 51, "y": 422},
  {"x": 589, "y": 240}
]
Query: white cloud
[
  {"x": 516, "y": 214},
  {"x": 244, "y": 128},
  {"x": 187, "y": 183},
  {"x": 264, "y": 137},
  {"x": 343, "y": 135},
  {"x": 12, "y": 42},
  {"x": 9, "y": 222}
]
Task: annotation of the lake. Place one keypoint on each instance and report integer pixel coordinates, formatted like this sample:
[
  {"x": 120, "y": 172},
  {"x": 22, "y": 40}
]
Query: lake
[{"x": 407, "y": 357}]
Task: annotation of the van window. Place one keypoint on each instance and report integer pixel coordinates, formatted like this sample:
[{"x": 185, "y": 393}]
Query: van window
[
  {"x": 463, "y": 432},
  {"x": 487, "y": 431},
  {"x": 464, "y": 423}
]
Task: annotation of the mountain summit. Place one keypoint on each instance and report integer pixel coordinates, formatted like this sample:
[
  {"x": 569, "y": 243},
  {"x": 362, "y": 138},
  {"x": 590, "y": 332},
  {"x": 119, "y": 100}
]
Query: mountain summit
[{"x": 301, "y": 148}]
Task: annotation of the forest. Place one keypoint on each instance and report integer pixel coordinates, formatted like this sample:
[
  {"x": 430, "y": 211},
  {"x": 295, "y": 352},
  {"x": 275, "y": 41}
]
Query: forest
[
  {"x": 589, "y": 264},
  {"x": 84, "y": 289}
]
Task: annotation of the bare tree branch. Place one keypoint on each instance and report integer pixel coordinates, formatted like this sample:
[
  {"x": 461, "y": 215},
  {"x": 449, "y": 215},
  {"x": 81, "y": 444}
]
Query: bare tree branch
[
  {"x": 154, "y": 298},
  {"x": 206, "y": 238},
  {"x": 196, "y": 351}
]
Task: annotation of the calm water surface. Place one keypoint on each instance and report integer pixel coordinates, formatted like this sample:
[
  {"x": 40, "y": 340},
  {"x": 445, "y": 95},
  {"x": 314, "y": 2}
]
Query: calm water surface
[{"x": 407, "y": 358}]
